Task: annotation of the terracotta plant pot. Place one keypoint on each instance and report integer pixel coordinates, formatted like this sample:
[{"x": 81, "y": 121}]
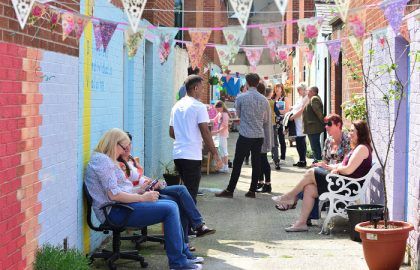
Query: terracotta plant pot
[{"x": 384, "y": 249}]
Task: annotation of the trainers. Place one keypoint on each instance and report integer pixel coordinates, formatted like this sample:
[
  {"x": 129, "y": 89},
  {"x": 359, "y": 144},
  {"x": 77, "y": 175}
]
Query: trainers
[
  {"x": 250, "y": 194},
  {"x": 195, "y": 260},
  {"x": 204, "y": 230},
  {"x": 266, "y": 189},
  {"x": 259, "y": 187},
  {"x": 277, "y": 166},
  {"x": 188, "y": 267},
  {"x": 224, "y": 194}
]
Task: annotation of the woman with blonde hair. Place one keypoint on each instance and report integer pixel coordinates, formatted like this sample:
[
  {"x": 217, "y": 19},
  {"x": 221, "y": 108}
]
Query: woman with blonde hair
[{"x": 107, "y": 183}]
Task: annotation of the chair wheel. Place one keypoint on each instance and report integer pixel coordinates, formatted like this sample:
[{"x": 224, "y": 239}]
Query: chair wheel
[{"x": 144, "y": 264}]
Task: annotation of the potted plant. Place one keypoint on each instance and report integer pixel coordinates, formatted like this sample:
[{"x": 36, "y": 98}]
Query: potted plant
[
  {"x": 170, "y": 174},
  {"x": 384, "y": 242}
]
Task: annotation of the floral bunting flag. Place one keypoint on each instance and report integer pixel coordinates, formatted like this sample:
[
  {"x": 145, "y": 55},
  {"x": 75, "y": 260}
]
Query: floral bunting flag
[
  {"x": 394, "y": 13},
  {"x": 254, "y": 56},
  {"x": 23, "y": 9},
  {"x": 97, "y": 34},
  {"x": 234, "y": 37},
  {"x": 134, "y": 10},
  {"x": 334, "y": 47},
  {"x": 272, "y": 37},
  {"x": 67, "y": 22},
  {"x": 79, "y": 25},
  {"x": 197, "y": 46},
  {"x": 54, "y": 16},
  {"x": 309, "y": 28},
  {"x": 107, "y": 30},
  {"x": 38, "y": 11},
  {"x": 224, "y": 54},
  {"x": 166, "y": 40},
  {"x": 357, "y": 30},
  {"x": 357, "y": 46},
  {"x": 242, "y": 9},
  {"x": 343, "y": 8},
  {"x": 308, "y": 54},
  {"x": 282, "y": 5},
  {"x": 282, "y": 54},
  {"x": 132, "y": 41},
  {"x": 380, "y": 36}
]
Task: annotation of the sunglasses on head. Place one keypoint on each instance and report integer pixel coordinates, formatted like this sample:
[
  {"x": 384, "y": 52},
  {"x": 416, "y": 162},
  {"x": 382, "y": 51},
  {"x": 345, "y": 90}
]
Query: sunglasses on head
[
  {"x": 218, "y": 105},
  {"x": 329, "y": 123}
]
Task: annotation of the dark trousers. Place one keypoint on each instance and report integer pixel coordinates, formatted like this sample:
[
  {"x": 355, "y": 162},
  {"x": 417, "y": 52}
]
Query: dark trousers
[
  {"x": 190, "y": 172},
  {"x": 282, "y": 142},
  {"x": 314, "y": 140},
  {"x": 301, "y": 147},
  {"x": 243, "y": 146},
  {"x": 265, "y": 168},
  {"x": 247, "y": 156}
]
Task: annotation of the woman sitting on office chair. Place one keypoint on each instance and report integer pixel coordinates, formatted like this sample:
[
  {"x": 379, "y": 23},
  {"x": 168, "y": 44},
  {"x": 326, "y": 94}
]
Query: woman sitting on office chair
[{"x": 107, "y": 183}]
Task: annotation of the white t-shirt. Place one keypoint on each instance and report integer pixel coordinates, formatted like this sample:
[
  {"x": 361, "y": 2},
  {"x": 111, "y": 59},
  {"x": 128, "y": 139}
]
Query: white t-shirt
[
  {"x": 298, "y": 121},
  {"x": 186, "y": 115}
]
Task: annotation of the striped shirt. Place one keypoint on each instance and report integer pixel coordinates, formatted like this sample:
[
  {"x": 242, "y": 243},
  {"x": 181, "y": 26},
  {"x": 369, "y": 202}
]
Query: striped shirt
[{"x": 251, "y": 108}]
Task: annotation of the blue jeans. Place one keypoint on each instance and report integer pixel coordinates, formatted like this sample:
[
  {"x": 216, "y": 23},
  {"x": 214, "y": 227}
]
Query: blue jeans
[
  {"x": 190, "y": 216},
  {"x": 315, "y": 142},
  {"x": 148, "y": 213}
]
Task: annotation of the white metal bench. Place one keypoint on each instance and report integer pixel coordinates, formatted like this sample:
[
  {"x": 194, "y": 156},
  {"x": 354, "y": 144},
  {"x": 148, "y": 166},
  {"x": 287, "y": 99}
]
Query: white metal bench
[{"x": 342, "y": 192}]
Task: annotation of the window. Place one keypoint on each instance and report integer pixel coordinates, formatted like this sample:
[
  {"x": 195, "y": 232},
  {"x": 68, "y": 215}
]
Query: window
[{"x": 179, "y": 18}]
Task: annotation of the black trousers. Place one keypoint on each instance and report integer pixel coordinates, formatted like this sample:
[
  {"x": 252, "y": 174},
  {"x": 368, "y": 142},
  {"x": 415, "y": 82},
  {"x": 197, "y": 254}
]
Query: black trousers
[
  {"x": 301, "y": 147},
  {"x": 265, "y": 168},
  {"x": 282, "y": 142},
  {"x": 243, "y": 146},
  {"x": 190, "y": 172}
]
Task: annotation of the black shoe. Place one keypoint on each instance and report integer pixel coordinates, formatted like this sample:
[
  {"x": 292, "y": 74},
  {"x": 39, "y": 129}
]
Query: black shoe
[
  {"x": 277, "y": 166},
  {"x": 266, "y": 189},
  {"x": 300, "y": 164},
  {"x": 250, "y": 194},
  {"x": 230, "y": 164},
  {"x": 224, "y": 194},
  {"x": 259, "y": 187},
  {"x": 308, "y": 222},
  {"x": 204, "y": 230}
]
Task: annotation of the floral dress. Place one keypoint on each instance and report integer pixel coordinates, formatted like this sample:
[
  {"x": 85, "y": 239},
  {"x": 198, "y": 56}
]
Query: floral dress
[{"x": 333, "y": 157}]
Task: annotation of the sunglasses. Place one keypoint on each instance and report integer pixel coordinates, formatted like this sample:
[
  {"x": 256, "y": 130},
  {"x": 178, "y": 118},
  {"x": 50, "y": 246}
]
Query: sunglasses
[
  {"x": 219, "y": 106},
  {"x": 123, "y": 148},
  {"x": 329, "y": 123}
]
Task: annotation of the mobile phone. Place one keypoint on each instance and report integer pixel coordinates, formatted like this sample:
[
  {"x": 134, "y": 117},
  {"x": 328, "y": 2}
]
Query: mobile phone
[{"x": 151, "y": 185}]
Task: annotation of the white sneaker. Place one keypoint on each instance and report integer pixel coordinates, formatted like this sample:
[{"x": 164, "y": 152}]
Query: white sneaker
[
  {"x": 196, "y": 260},
  {"x": 189, "y": 267}
]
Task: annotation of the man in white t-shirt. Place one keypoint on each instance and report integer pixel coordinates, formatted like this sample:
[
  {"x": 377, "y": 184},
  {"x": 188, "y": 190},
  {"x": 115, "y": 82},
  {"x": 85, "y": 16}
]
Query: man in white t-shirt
[{"x": 189, "y": 127}]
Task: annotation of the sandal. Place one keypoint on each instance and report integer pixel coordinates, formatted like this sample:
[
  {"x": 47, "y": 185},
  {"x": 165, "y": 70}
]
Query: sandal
[{"x": 285, "y": 207}]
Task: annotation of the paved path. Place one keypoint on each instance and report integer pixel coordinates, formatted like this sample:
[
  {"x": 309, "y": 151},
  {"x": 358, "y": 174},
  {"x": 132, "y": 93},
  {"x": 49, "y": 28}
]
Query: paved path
[{"x": 250, "y": 232}]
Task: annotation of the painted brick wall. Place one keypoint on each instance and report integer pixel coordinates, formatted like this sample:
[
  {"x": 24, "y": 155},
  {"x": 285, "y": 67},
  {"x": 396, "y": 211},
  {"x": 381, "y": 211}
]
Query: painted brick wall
[{"x": 58, "y": 196}]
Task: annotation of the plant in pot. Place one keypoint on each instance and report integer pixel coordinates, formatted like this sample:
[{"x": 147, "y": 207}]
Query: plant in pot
[
  {"x": 384, "y": 242},
  {"x": 170, "y": 174}
]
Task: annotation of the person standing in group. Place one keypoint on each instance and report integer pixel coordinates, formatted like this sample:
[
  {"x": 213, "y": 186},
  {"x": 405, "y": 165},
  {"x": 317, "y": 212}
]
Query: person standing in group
[
  {"x": 188, "y": 126},
  {"x": 221, "y": 122},
  {"x": 265, "y": 187},
  {"x": 279, "y": 105},
  {"x": 313, "y": 122},
  {"x": 243, "y": 89},
  {"x": 297, "y": 111},
  {"x": 183, "y": 90},
  {"x": 253, "y": 111}
]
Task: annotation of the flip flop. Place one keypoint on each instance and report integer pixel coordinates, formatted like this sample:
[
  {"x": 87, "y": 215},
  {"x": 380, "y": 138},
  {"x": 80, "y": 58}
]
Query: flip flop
[
  {"x": 296, "y": 229},
  {"x": 285, "y": 207}
]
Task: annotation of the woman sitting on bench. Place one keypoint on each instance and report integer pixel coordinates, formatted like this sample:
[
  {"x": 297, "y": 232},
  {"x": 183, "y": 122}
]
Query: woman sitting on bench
[
  {"x": 355, "y": 165},
  {"x": 107, "y": 183}
]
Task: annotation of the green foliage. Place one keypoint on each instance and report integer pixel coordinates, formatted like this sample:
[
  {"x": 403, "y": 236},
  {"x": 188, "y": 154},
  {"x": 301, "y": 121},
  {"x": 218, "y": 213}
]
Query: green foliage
[
  {"x": 51, "y": 257},
  {"x": 355, "y": 108},
  {"x": 169, "y": 167},
  {"x": 213, "y": 80}
]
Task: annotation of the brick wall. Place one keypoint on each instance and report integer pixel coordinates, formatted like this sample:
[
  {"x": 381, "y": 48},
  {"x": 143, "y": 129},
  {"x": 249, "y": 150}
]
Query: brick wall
[
  {"x": 40, "y": 35},
  {"x": 162, "y": 18}
]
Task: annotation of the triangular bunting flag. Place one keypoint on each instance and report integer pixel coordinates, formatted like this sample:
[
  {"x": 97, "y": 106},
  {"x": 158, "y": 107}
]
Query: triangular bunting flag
[
  {"x": 309, "y": 55},
  {"x": 394, "y": 13},
  {"x": 272, "y": 37},
  {"x": 234, "y": 37},
  {"x": 357, "y": 46},
  {"x": 242, "y": 9},
  {"x": 282, "y": 54},
  {"x": 132, "y": 41},
  {"x": 254, "y": 56},
  {"x": 166, "y": 41},
  {"x": 356, "y": 23},
  {"x": 343, "y": 8},
  {"x": 309, "y": 28},
  {"x": 67, "y": 22},
  {"x": 282, "y": 5},
  {"x": 97, "y": 34},
  {"x": 134, "y": 10},
  {"x": 80, "y": 23},
  {"x": 223, "y": 52},
  {"x": 107, "y": 30},
  {"x": 54, "y": 16},
  {"x": 334, "y": 47},
  {"x": 23, "y": 9},
  {"x": 197, "y": 46},
  {"x": 38, "y": 11}
]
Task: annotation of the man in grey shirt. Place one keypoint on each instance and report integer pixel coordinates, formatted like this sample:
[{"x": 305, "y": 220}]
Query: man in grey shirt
[{"x": 251, "y": 108}]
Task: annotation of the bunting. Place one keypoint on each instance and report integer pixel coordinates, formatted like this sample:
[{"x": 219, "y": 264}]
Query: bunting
[
  {"x": 67, "y": 22},
  {"x": 380, "y": 36},
  {"x": 334, "y": 47},
  {"x": 242, "y": 9},
  {"x": 357, "y": 30},
  {"x": 107, "y": 29},
  {"x": 272, "y": 37},
  {"x": 132, "y": 41},
  {"x": 282, "y": 5},
  {"x": 54, "y": 18},
  {"x": 97, "y": 34},
  {"x": 223, "y": 51},
  {"x": 394, "y": 13},
  {"x": 23, "y": 9},
  {"x": 197, "y": 46},
  {"x": 282, "y": 55},
  {"x": 343, "y": 8},
  {"x": 357, "y": 46},
  {"x": 134, "y": 10},
  {"x": 38, "y": 11},
  {"x": 166, "y": 39},
  {"x": 79, "y": 26},
  {"x": 309, "y": 28},
  {"x": 254, "y": 56},
  {"x": 234, "y": 37}
]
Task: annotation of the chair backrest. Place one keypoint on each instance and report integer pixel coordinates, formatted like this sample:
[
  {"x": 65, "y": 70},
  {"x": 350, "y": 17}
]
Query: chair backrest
[{"x": 89, "y": 202}]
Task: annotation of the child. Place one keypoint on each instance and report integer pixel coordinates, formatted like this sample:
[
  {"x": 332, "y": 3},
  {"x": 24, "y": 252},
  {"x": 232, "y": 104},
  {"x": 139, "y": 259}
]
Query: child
[{"x": 221, "y": 122}]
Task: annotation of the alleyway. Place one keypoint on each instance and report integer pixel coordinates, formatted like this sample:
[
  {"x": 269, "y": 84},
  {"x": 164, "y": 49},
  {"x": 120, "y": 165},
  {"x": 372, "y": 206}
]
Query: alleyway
[{"x": 250, "y": 232}]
